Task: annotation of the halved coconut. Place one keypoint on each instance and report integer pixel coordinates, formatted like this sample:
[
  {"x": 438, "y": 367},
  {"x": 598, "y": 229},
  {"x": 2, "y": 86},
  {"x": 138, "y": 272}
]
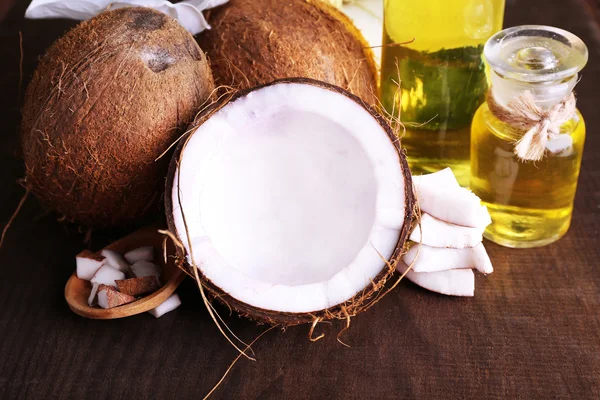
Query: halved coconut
[{"x": 290, "y": 199}]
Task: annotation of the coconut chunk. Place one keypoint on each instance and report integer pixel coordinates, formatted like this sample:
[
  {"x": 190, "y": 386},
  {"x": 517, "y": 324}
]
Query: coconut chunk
[
  {"x": 109, "y": 297},
  {"x": 145, "y": 268},
  {"x": 442, "y": 179},
  {"x": 455, "y": 282},
  {"x": 171, "y": 303},
  {"x": 138, "y": 286},
  {"x": 107, "y": 275},
  {"x": 87, "y": 264},
  {"x": 92, "y": 296},
  {"x": 115, "y": 260},
  {"x": 433, "y": 259},
  {"x": 145, "y": 253},
  {"x": 437, "y": 233}
]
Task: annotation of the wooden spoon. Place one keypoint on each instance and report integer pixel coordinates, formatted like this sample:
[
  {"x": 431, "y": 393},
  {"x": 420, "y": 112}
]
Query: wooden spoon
[{"x": 77, "y": 290}]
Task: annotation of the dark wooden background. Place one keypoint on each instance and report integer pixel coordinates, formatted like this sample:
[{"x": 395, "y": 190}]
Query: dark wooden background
[{"x": 531, "y": 332}]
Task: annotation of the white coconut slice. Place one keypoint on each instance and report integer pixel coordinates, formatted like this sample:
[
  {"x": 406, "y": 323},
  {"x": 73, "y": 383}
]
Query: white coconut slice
[
  {"x": 115, "y": 260},
  {"x": 107, "y": 275},
  {"x": 437, "y": 233},
  {"x": 456, "y": 206},
  {"x": 145, "y": 268},
  {"x": 87, "y": 264},
  {"x": 145, "y": 253},
  {"x": 456, "y": 282},
  {"x": 432, "y": 259},
  {"x": 442, "y": 179},
  {"x": 289, "y": 199},
  {"x": 440, "y": 196},
  {"x": 171, "y": 303}
]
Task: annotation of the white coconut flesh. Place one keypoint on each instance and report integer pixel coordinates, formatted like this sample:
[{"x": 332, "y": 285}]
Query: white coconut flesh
[{"x": 291, "y": 195}]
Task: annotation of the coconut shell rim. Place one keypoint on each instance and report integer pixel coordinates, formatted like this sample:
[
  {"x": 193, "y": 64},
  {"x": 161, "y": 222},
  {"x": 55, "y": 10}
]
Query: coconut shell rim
[{"x": 279, "y": 318}]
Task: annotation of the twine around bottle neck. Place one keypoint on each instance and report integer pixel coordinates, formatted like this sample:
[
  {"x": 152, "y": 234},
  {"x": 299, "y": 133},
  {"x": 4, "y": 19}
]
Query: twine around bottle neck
[{"x": 539, "y": 124}]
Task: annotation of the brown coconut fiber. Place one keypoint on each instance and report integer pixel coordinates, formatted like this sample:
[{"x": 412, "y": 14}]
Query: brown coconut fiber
[{"x": 105, "y": 101}]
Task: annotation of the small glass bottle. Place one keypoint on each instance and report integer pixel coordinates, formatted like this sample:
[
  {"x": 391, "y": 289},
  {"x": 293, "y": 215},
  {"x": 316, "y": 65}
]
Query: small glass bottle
[
  {"x": 529, "y": 196},
  {"x": 441, "y": 75}
]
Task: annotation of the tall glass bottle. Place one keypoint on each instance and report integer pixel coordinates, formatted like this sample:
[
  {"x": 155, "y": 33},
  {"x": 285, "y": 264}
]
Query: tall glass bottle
[
  {"x": 527, "y": 139},
  {"x": 441, "y": 76}
]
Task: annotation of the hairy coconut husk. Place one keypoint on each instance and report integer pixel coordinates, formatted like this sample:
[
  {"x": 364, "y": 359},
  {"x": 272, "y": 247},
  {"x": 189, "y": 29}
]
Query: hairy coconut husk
[
  {"x": 105, "y": 101},
  {"x": 253, "y": 42},
  {"x": 362, "y": 300}
]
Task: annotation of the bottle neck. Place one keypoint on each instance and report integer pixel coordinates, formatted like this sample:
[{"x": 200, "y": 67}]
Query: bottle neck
[{"x": 546, "y": 94}]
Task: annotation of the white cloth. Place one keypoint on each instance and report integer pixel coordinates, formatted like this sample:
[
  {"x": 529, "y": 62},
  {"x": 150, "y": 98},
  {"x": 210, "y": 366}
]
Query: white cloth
[{"x": 187, "y": 13}]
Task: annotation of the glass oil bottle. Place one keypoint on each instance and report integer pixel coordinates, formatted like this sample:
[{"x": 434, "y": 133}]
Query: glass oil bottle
[
  {"x": 530, "y": 201},
  {"x": 441, "y": 76}
]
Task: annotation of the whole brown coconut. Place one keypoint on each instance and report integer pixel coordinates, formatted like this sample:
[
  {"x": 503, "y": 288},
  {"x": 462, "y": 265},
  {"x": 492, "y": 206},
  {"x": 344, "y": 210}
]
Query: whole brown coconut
[
  {"x": 105, "y": 102},
  {"x": 253, "y": 42}
]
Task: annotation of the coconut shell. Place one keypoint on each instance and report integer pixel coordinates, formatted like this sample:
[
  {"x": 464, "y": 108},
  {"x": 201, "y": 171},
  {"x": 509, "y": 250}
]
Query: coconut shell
[
  {"x": 105, "y": 102},
  {"x": 362, "y": 300},
  {"x": 254, "y": 42}
]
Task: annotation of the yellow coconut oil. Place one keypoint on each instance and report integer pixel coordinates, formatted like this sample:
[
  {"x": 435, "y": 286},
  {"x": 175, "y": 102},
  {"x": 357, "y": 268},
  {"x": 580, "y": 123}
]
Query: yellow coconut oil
[
  {"x": 432, "y": 51},
  {"x": 530, "y": 201}
]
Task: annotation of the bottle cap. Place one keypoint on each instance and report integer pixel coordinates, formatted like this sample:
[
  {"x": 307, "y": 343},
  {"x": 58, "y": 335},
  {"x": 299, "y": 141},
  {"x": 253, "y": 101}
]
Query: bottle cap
[{"x": 535, "y": 53}]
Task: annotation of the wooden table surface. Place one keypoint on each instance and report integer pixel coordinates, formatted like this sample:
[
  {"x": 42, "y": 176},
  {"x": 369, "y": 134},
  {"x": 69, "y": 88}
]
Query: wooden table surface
[{"x": 531, "y": 332}]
